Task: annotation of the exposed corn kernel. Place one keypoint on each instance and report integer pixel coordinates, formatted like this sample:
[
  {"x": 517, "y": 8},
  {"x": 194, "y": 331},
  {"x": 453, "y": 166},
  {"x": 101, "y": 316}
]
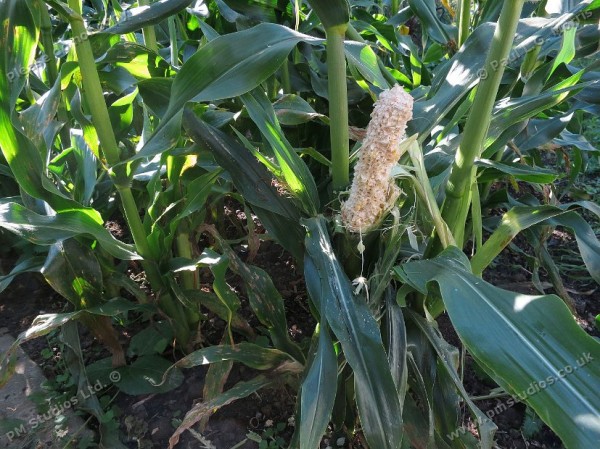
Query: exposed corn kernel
[{"x": 373, "y": 190}]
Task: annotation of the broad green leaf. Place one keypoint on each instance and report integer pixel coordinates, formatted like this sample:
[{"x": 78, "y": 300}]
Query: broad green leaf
[
  {"x": 249, "y": 354},
  {"x": 143, "y": 376},
  {"x": 298, "y": 179},
  {"x": 317, "y": 395},
  {"x": 198, "y": 191},
  {"x": 72, "y": 270},
  {"x": 85, "y": 177},
  {"x": 48, "y": 229},
  {"x": 521, "y": 172},
  {"x": 265, "y": 300},
  {"x": 142, "y": 16},
  {"x": 151, "y": 340},
  {"x": 523, "y": 217},
  {"x": 17, "y": 50},
  {"x": 426, "y": 11},
  {"x": 223, "y": 69},
  {"x": 397, "y": 347},
  {"x": 332, "y": 13},
  {"x": 223, "y": 291},
  {"x": 212, "y": 303},
  {"x": 156, "y": 93},
  {"x": 530, "y": 345},
  {"x": 89, "y": 131},
  {"x": 567, "y": 50},
  {"x": 452, "y": 82},
  {"x": 32, "y": 264},
  {"x": 358, "y": 332},
  {"x": 278, "y": 214},
  {"x": 513, "y": 222},
  {"x": 363, "y": 58},
  {"x": 508, "y": 112},
  {"x": 294, "y": 110},
  {"x": 40, "y": 116},
  {"x": 569, "y": 139},
  {"x": 541, "y": 131},
  {"x": 443, "y": 350}
]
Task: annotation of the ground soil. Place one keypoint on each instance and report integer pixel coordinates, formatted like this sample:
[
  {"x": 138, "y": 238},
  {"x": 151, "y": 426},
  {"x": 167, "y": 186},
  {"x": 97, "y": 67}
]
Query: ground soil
[{"x": 148, "y": 421}]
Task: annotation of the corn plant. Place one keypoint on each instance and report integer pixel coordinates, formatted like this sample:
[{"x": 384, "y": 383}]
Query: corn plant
[{"x": 157, "y": 112}]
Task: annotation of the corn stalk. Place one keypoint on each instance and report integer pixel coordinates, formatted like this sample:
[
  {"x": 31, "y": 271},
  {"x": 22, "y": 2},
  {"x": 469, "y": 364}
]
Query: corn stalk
[{"x": 462, "y": 176}]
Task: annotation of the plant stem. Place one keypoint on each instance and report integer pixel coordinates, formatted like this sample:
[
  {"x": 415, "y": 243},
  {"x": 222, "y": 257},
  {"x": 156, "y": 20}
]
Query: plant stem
[
  {"x": 75, "y": 5},
  {"x": 395, "y": 7},
  {"x": 189, "y": 279},
  {"x": 353, "y": 34},
  {"x": 148, "y": 32},
  {"x": 47, "y": 42},
  {"x": 338, "y": 107},
  {"x": 101, "y": 120},
  {"x": 464, "y": 20},
  {"x": 425, "y": 191},
  {"x": 173, "y": 38},
  {"x": 458, "y": 189}
]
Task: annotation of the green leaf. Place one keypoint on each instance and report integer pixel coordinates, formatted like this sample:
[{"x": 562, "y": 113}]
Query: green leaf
[
  {"x": 426, "y": 11},
  {"x": 152, "y": 340},
  {"x": 278, "y": 214},
  {"x": 298, "y": 178},
  {"x": 143, "y": 376},
  {"x": 17, "y": 51},
  {"x": 486, "y": 426},
  {"x": 72, "y": 270},
  {"x": 265, "y": 300},
  {"x": 294, "y": 110},
  {"x": 542, "y": 131},
  {"x": 135, "y": 18},
  {"x": 317, "y": 393},
  {"x": 214, "y": 381},
  {"x": 40, "y": 116},
  {"x": 567, "y": 50},
  {"x": 530, "y": 345},
  {"x": 224, "y": 292},
  {"x": 452, "y": 82},
  {"x": 363, "y": 58},
  {"x": 48, "y": 229},
  {"x": 249, "y": 354},
  {"x": 509, "y": 112},
  {"x": 332, "y": 13},
  {"x": 576, "y": 140},
  {"x": 397, "y": 347},
  {"x": 32, "y": 264},
  {"x": 223, "y": 69},
  {"x": 156, "y": 93},
  {"x": 523, "y": 217},
  {"x": 358, "y": 333},
  {"x": 198, "y": 191},
  {"x": 521, "y": 172}
]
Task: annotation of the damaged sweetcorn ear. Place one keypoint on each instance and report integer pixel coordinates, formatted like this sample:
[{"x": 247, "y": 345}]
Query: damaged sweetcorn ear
[{"x": 373, "y": 190}]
